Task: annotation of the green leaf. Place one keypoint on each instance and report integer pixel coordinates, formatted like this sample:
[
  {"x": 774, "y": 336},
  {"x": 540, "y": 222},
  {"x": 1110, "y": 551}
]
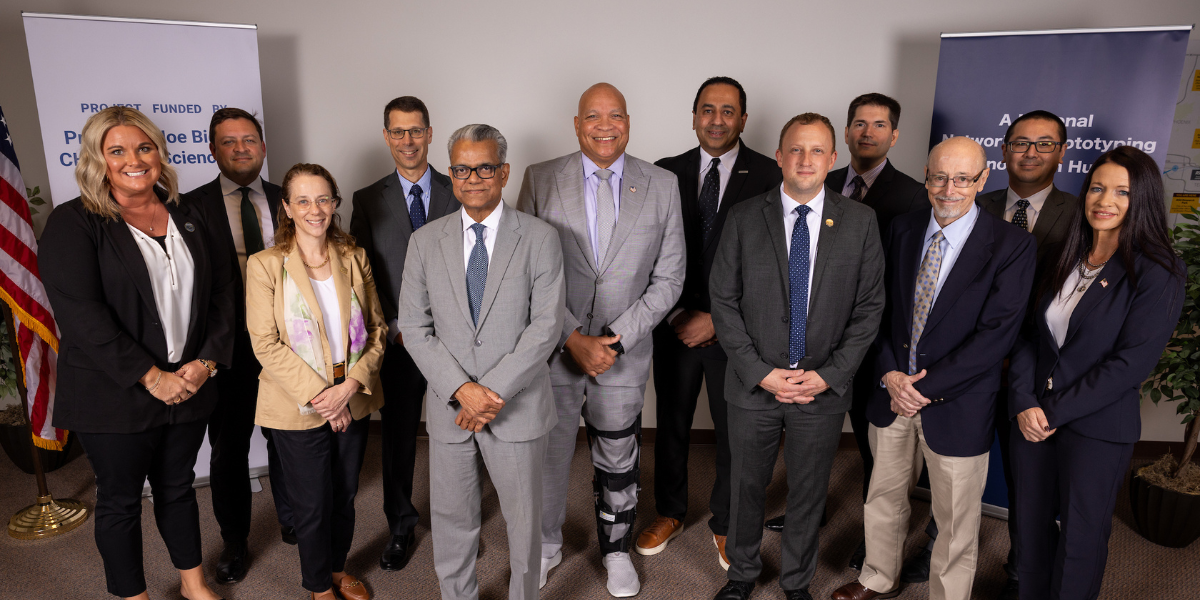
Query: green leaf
[{"x": 1155, "y": 395}]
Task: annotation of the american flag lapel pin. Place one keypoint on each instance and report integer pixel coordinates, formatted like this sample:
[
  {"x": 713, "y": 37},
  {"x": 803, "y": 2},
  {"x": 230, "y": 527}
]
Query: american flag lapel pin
[
  {"x": 632, "y": 190},
  {"x": 1103, "y": 283}
]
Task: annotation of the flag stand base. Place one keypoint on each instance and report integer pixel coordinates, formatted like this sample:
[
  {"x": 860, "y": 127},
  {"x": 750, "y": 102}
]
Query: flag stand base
[{"x": 47, "y": 518}]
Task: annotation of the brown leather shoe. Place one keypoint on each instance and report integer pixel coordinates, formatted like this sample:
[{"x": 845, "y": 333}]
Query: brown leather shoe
[
  {"x": 351, "y": 588},
  {"x": 719, "y": 541},
  {"x": 856, "y": 591},
  {"x": 655, "y": 537}
]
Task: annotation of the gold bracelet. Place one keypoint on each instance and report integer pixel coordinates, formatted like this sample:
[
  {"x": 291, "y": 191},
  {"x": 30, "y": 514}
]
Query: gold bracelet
[
  {"x": 156, "y": 381},
  {"x": 210, "y": 365}
]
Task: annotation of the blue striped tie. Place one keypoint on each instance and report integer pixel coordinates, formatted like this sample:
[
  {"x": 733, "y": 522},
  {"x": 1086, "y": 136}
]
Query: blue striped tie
[{"x": 798, "y": 285}]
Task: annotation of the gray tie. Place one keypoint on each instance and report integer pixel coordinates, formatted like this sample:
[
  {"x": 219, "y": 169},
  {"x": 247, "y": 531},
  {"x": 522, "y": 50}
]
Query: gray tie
[
  {"x": 606, "y": 214},
  {"x": 477, "y": 268}
]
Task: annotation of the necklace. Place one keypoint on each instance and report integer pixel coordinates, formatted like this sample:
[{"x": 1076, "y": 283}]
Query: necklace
[
  {"x": 325, "y": 262},
  {"x": 1087, "y": 275},
  {"x": 153, "y": 214}
]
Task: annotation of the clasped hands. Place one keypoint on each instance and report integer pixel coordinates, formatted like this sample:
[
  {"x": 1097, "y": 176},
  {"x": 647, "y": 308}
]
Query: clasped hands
[
  {"x": 592, "y": 352},
  {"x": 695, "y": 328},
  {"x": 1034, "y": 425},
  {"x": 906, "y": 400},
  {"x": 479, "y": 406},
  {"x": 173, "y": 388},
  {"x": 793, "y": 386},
  {"x": 333, "y": 404}
]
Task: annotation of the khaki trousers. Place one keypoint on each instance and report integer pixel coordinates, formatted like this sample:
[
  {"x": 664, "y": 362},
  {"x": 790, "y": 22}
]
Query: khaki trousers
[{"x": 956, "y": 486}]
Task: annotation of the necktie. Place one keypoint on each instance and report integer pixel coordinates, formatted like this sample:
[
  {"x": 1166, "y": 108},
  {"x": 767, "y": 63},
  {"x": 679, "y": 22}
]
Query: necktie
[
  {"x": 923, "y": 295},
  {"x": 710, "y": 194},
  {"x": 860, "y": 188},
  {"x": 251, "y": 231},
  {"x": 606, "y": 214},
  {"x": 416, "y": 210},
  {"x": 798, "y": 285},
  {"x": 477, "y": 268},
  {"x": 1021, "y": 218}
]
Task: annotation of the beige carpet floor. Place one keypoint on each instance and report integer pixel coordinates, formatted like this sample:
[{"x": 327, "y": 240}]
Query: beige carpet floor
[{"x": 69, "y": 567}]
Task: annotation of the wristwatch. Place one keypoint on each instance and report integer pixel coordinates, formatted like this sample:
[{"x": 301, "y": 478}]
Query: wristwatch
[
  {"x": 210, "y": 365},
  {"x": 615, "y": 346}
]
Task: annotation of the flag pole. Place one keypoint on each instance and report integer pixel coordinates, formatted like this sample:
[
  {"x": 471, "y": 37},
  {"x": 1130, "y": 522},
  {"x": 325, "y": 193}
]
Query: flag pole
[{"x": 48, "y": 517}]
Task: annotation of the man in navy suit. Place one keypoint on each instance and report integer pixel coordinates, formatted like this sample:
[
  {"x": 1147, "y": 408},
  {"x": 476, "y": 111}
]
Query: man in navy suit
[{"x": 958, "y": 280}]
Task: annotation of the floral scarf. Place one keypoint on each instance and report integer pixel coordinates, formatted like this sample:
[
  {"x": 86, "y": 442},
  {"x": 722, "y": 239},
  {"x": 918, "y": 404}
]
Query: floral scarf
[{"x": 304, "y": 332}]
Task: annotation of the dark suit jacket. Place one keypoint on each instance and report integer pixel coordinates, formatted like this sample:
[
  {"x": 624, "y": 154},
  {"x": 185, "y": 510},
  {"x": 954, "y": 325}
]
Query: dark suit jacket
[
  {"x": 1053, "y": 222},
  {"x": 749, "y": 289},
  {"x": 381, "y": 226},
  {"x": 893, "y": 193},
  {"x": 1115, "y": 336},
  {"x": 98, "y": 283},
  {"x": 972, "y": 326},
  {"x": 209, "y": 199}
]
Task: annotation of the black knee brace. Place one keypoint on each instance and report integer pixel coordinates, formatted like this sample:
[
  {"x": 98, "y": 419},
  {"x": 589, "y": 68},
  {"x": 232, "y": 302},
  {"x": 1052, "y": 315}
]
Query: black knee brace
[{"x": 603, "y": 480}]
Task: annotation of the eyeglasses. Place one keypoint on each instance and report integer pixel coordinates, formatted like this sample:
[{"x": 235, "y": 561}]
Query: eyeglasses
[
  {"x": 305, "y": 203},
  {"x": 417, "y": 133},
  {"x": 961, "y": 181},
  {"x": 1042, "y": 146},
  {"x": 464, "y": 172}
]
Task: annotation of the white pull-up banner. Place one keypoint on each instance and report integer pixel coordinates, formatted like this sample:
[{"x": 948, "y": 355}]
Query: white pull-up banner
[{"x": 177, "y": 73}]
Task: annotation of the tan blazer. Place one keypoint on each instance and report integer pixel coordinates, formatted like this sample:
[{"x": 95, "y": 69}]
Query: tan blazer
[{"x": 287, "y": 382}]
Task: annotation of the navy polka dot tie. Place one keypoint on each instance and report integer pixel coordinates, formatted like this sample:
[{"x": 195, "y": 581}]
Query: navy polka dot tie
[
  {"x": 416, "y": 210},
  {"x": 1021, "y": 216},
  {"x": 477, "y": 268},
  {"x": 798, "y": 285}
]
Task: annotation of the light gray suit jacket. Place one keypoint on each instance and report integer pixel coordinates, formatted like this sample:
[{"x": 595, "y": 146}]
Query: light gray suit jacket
[
  {"x": 520, "y": 321},
  {"x": 749, "y": 290},
  {"x": 639, "y": 279}
]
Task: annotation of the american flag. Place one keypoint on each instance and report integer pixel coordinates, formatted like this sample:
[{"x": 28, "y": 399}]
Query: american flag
[{"x": 21, "y": 287}]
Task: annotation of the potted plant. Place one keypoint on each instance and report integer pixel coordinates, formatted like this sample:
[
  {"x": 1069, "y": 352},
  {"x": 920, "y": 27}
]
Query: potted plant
[{"x": 1165, "y": 495}]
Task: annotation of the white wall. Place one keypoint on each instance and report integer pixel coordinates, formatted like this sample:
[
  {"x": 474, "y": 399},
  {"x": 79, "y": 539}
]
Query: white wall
[{"x": 329, "y": 68}]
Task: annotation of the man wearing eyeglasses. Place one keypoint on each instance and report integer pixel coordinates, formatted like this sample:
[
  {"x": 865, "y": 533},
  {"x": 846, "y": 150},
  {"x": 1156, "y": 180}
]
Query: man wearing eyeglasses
[
  {"x": 958, "y": 281},
  {"x": 386, "y": 213},
  {"x": 1033, "y": 151},
  {"x": 618, "y": 218}
]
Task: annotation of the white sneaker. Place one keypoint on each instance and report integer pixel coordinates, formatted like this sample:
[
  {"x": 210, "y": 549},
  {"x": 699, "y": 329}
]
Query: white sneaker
[
  {"x": 547, "y": 564},
  {"x": 622, "y": 578}
]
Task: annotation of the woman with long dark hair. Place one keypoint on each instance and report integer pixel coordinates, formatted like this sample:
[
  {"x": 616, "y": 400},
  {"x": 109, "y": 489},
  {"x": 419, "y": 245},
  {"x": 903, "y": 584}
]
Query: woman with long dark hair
[{"x": 1104, "y": 311}]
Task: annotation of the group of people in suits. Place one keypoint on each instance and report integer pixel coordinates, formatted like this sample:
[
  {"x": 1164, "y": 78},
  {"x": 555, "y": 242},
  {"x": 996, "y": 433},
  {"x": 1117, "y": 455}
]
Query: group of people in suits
[{"x": 793, "y": 292}]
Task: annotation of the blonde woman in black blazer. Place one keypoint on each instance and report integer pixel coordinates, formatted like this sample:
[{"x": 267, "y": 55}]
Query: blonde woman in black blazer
[{"x": 146, "y": 316}]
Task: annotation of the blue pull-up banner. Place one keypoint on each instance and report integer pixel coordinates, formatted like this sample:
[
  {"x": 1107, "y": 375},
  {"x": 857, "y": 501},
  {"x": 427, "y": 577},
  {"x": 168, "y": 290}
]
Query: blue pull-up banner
[{"x": 1112, "y": 87}]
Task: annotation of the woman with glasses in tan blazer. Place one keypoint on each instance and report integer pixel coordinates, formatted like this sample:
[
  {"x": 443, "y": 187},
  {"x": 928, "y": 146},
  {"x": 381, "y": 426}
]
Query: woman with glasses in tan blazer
[{"x": 316, "y": 327}]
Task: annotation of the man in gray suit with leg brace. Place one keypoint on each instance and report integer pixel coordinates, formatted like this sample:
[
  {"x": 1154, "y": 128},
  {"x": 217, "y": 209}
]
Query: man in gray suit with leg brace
[
  {"x": 619, "y": 222},
  {"x": 797, "y": 296},
  {"x": 481, "y": 307}
]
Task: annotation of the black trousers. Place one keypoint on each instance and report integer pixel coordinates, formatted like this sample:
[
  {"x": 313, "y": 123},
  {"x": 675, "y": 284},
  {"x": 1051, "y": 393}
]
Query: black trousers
[
  {"x": 403, "y": 391},
  {"x": 122, "y": 462},
  {"x": 678, "y": 373},
  {"x": 1004, "y": 430},
  {"x": 1076, "y": 478},
  {"x": 229, "y": 431},
  {"x": 809, "y": 449},
  {"x": 321, "y": 470}
]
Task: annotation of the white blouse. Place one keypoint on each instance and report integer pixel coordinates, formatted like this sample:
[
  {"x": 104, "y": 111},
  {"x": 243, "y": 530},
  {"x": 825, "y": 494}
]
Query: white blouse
[
  {"x": 172, "y": 275},
  {"x": 1058, "y": 314},
  {"x": 331, "y": 314}
]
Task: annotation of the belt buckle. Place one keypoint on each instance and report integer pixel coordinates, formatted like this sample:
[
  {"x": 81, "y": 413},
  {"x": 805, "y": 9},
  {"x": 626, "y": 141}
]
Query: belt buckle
[{"x": 339, "y": 370}]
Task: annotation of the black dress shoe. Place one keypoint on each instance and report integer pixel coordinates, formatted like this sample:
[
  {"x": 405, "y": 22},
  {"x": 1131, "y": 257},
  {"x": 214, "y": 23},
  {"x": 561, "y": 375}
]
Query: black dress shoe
[
  {"x": 397, "y": 553},
  {"x": 859, "y": 555},
  {"x": 775, "y": 524},
  {"x": 916, "y": 569},
  {"x": 797, "y": 595},
  {"x": 288, "y": 534},
  {"x": 1010, "y": 591},
  {"x": 231, "y": 566},
  {"x": 735, "y": 590}
]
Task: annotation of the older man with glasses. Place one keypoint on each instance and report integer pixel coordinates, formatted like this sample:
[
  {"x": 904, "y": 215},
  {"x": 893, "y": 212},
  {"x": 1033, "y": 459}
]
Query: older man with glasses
[{"x": 386, "y": 213}]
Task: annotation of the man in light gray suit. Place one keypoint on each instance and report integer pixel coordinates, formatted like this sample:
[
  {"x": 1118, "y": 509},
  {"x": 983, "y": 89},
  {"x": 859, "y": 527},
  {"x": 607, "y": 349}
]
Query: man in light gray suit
[
  {"x": 619, "y": 222},
  {"x": 797, "y": 296},
  {"x": 481, "y": 308}
]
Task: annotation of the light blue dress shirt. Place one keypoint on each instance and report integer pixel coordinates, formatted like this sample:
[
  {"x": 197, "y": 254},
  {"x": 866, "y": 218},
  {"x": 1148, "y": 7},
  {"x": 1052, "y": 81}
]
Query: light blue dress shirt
[
  {"x": 425, "y": 182},
  {"x": 956, "y": 235},
  {"x": 591, "y": 183}
]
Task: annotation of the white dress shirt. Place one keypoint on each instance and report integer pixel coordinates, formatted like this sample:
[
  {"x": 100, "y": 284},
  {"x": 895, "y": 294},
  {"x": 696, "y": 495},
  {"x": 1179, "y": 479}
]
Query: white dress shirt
[
  {"x": 725, "y": 169},
  {"x": 868, "y": 178},
  {"x": 591, "y": 183},
  {"x": 331, "y": 315},
  {"x": 1036, "y": 202},
  {"x": 1058, "y": 314},
  {"x": 955, "y": 237},
  {"x": 172, "y": 275},
  {"x": 233, "y": 210},
  {"x": 816, "y": 207},
  {"x": 490, "y": 223}
]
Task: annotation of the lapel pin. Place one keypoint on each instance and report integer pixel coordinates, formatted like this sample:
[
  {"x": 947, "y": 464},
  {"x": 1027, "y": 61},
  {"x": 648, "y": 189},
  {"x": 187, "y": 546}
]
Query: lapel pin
[
  {"x": 1103, "y": 283},
  {"x": 188, "y": 226},
  {"x": 829, "y": 222},
  {"x": 632, "y": 189}
]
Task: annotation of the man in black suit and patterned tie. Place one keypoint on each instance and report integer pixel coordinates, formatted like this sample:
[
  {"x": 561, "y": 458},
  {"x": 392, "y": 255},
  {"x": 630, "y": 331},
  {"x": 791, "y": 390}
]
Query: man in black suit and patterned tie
[
  {"x": 713, "y": 177},
  {"x": 386, "y": 213},
  {"x": 240, "y": 197},
  {"x": 1033, "y": 152}
]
